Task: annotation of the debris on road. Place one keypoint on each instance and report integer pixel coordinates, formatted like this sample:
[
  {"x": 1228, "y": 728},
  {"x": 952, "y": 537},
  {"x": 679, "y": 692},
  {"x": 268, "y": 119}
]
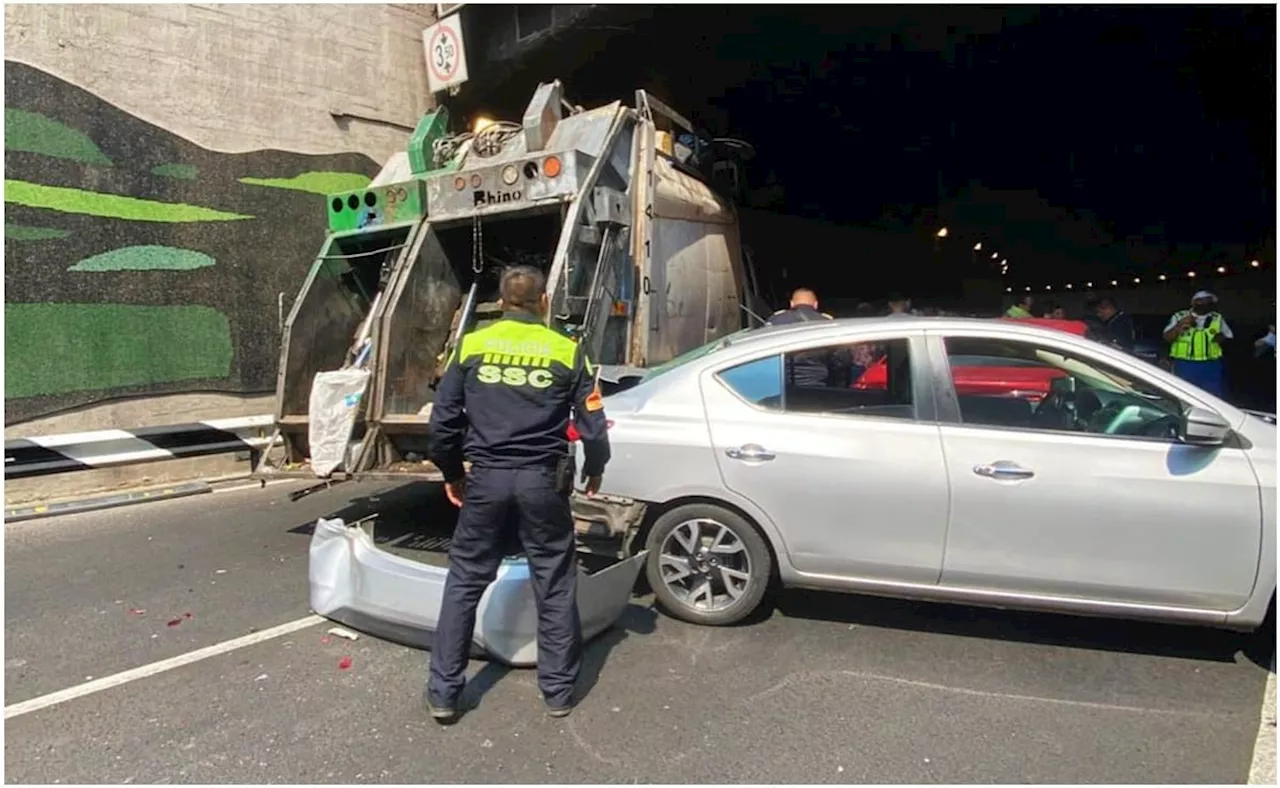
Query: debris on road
[
  {"x": 344, "y": 663},
  {"x": 176, "y": 621},
  {"x": 220, "y": 572},
  {"x": 325, "y": 640},
  {"x": 137, "y": 611},
  {"x": 262, "y": 677},
  {"x": 344, "y": 633}
]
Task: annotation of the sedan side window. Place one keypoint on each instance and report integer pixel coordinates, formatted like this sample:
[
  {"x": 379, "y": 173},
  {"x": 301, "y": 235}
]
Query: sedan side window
[
  {"x": 1020, "y": 385},
  {"x": 862, "y": 379}
]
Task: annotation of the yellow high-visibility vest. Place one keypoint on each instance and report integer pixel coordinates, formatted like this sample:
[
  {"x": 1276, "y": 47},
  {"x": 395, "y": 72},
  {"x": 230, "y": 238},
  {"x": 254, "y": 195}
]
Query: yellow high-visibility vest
[
  {"x": 1017, "y": 311},
  {"x": 1197, "y": 344}
]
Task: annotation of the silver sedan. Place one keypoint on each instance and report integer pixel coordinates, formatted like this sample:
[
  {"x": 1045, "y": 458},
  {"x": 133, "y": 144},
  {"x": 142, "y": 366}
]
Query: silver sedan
[{"x": 974, "y": 461}]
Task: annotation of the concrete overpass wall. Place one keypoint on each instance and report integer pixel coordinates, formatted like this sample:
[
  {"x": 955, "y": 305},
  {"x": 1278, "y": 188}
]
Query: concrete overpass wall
[{"x": 165, "y": 166}]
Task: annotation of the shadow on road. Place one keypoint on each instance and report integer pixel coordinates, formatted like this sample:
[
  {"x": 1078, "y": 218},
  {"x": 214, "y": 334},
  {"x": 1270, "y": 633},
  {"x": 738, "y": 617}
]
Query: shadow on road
[
  {"x": 637, "y": 619},
  {"x": 1025, "y": 627}
]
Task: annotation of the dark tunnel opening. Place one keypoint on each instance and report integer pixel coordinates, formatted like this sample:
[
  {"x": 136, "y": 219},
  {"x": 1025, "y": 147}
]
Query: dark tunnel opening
[{"x": 1035, "y": 135}]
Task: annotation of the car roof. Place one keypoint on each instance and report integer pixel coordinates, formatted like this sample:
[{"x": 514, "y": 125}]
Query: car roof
[{"x": 904, "y": 323}]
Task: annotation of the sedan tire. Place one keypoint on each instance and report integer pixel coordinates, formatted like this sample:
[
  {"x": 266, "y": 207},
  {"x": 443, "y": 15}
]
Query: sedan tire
[{"x": 707, "y": 564}]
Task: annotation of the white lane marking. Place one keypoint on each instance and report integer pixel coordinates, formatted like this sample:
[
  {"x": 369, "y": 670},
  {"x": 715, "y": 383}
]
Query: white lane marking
[
  {"x": 1263, "y": 769},
  {"x": 255, "y": 485},
  {"x": 90, "y": 448},
  {"x": 1087, "y": 704},
  {"x": 108, "y": 682}
]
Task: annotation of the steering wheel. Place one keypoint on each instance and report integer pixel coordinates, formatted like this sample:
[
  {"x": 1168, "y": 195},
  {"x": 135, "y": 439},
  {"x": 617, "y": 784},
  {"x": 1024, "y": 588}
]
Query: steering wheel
[{"x": 1057, "y": 411}]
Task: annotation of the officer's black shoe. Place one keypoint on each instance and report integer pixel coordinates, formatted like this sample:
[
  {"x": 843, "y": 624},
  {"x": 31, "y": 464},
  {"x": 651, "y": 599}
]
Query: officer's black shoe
[
  {"x": 443, "y": 713},
  {"x": 560, "y": 709}
]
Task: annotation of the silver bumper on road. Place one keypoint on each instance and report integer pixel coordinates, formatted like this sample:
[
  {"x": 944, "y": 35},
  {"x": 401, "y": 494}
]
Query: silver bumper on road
[{"x": 355, "y": 583}]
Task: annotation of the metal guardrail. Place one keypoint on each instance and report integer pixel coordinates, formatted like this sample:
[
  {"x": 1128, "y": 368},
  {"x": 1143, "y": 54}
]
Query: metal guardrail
[{"x": 83, "y": 451}]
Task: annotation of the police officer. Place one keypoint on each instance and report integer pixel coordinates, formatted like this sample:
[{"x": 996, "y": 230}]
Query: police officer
[
  {"x": 815, "y": 369},
  {"x": 804, "y": 308},
  {"x": 1195, "y": 343},
  {"x": 1114, "y": 326},
  {"x": 504, "y": 404}
]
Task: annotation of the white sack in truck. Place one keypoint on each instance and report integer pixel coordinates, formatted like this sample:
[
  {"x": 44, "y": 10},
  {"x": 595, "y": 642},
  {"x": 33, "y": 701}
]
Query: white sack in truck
[{"x": 335, "y": 401}]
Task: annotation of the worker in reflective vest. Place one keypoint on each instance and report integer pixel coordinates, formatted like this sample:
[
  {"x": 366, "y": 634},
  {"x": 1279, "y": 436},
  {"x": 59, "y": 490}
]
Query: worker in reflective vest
[
  {"x": 1195, "y": 338},
  {"x": 1021, "y": 309}
]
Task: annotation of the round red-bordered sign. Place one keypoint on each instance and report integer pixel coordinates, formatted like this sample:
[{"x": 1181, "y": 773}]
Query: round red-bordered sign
[{"x": 445, "y": 53}]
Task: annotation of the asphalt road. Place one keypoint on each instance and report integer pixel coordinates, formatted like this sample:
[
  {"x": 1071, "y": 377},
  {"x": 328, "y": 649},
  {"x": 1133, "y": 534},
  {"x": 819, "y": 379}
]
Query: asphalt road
[{"x": 821, "y": 688}]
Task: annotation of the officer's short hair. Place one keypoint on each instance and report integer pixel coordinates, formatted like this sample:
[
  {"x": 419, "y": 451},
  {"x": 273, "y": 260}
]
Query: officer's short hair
[{"x": 522, "y": 287}]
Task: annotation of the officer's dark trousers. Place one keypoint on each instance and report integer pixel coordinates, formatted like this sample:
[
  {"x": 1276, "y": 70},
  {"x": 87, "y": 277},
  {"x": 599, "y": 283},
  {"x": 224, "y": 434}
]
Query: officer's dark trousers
[{"x": 500, "y": 504}]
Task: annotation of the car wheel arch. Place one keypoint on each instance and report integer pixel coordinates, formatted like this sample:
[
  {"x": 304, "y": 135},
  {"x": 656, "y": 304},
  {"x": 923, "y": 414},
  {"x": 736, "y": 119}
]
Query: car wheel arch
[{"x": 655, "y": 511}]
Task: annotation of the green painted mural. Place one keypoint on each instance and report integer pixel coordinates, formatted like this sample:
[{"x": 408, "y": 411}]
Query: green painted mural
[{"x": 140, "y": 264}]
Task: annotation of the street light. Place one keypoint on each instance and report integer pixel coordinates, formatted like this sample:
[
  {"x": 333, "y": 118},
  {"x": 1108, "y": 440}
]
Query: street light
[
  {"x": 1222, "y": 269},
  {"x": 942, "y": 233},
  {"x": 1254, "y": 264},
  {"x": 978, "y": 247}
]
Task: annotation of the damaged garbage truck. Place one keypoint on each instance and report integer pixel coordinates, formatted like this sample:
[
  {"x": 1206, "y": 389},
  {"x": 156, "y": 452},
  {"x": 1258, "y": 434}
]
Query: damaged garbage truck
[{"x": 625, "y": 209}]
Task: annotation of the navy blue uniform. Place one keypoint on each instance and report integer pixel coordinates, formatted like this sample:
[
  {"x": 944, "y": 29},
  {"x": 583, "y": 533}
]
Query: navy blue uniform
[
  {"x": 504, "y": 404},
  {"x": 811, "y": 370}
]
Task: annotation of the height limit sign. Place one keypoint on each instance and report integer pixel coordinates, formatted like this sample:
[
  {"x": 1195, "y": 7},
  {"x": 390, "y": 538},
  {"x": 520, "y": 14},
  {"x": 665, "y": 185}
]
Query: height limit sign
[{"x": 446, "y": 57}]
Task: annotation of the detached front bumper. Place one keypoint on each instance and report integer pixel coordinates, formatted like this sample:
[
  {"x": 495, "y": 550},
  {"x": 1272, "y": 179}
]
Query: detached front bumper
[{"x": 355, "y": 583}]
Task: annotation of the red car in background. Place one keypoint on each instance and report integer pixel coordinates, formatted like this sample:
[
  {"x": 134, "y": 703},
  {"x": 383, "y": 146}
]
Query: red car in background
[{"x": 991, "y": 377}]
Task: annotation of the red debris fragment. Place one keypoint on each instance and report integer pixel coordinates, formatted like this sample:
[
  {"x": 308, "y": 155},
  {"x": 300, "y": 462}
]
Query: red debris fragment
[
  {"x": 344, "y": 663},
  {"x": 175, "y": 622},
  {"x": 325, "y": 640},
  {"x": 135, "y": 611}
]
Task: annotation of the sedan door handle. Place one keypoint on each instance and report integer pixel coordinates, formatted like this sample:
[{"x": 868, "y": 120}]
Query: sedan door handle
[
  {"x": 750, "y": 452},
  {"x": 1003, "y": 469}
]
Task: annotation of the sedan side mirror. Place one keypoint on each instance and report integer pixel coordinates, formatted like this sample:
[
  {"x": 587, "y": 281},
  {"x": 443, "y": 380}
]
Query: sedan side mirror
[{"x": 1203, "y": 427}]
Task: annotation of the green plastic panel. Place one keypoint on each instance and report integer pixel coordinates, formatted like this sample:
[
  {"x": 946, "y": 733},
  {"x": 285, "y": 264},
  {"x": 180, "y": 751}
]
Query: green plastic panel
[
  {"x": 377, "y": 207},
  {"x": 433, "y": 126}
]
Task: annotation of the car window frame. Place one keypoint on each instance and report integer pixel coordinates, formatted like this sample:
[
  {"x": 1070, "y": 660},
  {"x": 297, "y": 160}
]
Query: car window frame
[
  {"x": 923, "y": 390},
  {"x": 949, "y": 405}
]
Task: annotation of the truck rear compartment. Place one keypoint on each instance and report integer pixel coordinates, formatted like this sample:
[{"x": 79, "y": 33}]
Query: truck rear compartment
[
  {"x": 339, "y": 295},
  {"x": 422, "y": 316}
]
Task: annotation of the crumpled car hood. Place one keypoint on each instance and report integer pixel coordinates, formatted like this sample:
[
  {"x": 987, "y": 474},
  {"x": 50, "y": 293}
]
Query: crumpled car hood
[{"x": 355, "y": 583}]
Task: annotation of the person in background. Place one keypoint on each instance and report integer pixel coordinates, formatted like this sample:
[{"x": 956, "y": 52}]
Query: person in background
[
  {"x": 864, "y": 309},
  {"x": 803, "y": 309},
  {"x": 1055, "y": 311},
  {"x": 1022, "y": 308},
  {"x": 1264, "y": 351},
  {"x": 1195, "y": 339},
  {"x": 810, "y": 369},
  {"x": 1266, "y": 344},
  {"x": 1115, "y": 326},
  {"x": 899, "y": 305}
]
